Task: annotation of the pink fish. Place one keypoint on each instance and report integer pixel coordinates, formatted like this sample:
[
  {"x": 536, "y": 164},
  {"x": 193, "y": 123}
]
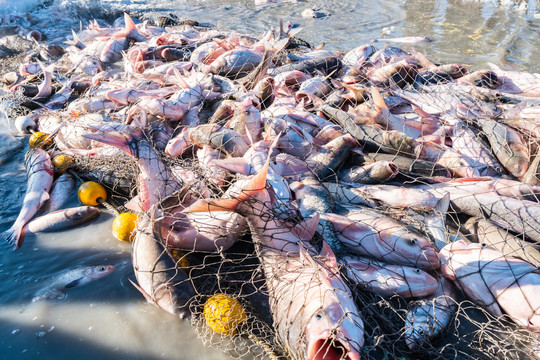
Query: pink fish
[
  {"x": 386, "y": 279},
  {"x": 494, "y": 281},
  {"x": 370, "y": 233}
]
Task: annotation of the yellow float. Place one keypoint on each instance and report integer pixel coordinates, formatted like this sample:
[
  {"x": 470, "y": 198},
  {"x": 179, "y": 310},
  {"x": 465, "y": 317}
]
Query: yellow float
[
  {"x": 124, "y": 225},
  {"x": 40, "y": 140},
  {"x": 224, "y": 314}
]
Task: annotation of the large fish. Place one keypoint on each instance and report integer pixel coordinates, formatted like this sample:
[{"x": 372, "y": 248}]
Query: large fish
[
  {"x": 314, "y": 199},
  {"x": 56, "y": 287},
  {"x": 507, "y": 145},
  {"x": 159, "y": 277},
  {"x": 39, "y": 169},
  {"x": 494, "y": 281},
  {"x": 62, "y": 189},
  {"x": 367, "y": 232},
  {"x": 317, "y": 317},
  {"x": 485, "y": 232}
]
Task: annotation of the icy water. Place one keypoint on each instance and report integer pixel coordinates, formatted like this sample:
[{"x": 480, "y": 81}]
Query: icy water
[{"x": 109, "y": 319}]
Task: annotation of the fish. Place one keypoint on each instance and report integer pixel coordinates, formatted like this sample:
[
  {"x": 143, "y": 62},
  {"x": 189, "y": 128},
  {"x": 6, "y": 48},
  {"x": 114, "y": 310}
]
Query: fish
[
  {"x": 406, "y": 40},
  {"x": 429, "y": 317},
  {"x": 485, "y": 232},
  {"x": 60, "y": 220},
  {"x": 387, "y": 279},
  {"x": 507, "y": 145},
  {"x": 399, "y": 196},
  {"x": 412, "y": 166},
  {"x": 367, "y": 232},
  {"x": 58, "y": 285},
  {"x": 158, "y": 278},
  {"x": 40, "y": 171},
  {"x": 374, "y": 173},
  {"x": 494, "y": 281},
  {"x": 61, "y": 191},
  {"x": 392, "y": 141}
]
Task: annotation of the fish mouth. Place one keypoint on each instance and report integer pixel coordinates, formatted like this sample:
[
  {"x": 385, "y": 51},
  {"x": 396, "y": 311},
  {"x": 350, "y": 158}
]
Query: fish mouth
[{"x": 331, "y": 348}]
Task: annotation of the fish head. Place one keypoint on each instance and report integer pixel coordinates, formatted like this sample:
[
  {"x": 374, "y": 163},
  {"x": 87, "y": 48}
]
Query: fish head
[
  {"x": 418, "y": 328},
  {"x": 418, "y": 282},
  {"x": 100, "y": 271},
  {"x": 416, "y": 248},
  {"x": 331, "y": 333},
  {"x": 82, "y": 213},
  {"x": 125, "y": 141},
  {"x": 401, "y": 141},
  {"x": 383, "y": 170}
]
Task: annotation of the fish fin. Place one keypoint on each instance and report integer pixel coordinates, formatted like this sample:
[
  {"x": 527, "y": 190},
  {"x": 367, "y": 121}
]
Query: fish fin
[
  {"x": 306, "y": 229},
  {"x": 141, "y": 290},
  {"x": 73, "y": 283},
  {"x": 423, "y": 113},
  {"x": 236, "y": 165},
  {"x": 293, "y": 32},
  {"x": 330, "y": 257},
  {"x": 128, "y": 28},
  {"x": 378, "y": 100},
  {"x": 280, "y": 45},
  {"x": 257, "y": 184},
  {"x": 44, "y": 197},
  {"x": 344, "y": 225},
  {"x": 183, "y": 84},
  {"x": 134, "y": 204},
  {"x": 305, "y": 256},
  {"x": 208, "y": 205},
  {"x": 443, "y": 204}
]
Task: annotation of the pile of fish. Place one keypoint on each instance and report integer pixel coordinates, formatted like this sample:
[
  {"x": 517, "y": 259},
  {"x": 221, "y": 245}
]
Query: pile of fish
[{"x": 341, "y": 170}]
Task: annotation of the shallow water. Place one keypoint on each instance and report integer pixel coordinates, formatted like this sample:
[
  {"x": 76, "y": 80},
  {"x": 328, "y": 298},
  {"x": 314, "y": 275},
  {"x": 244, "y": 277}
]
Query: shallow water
[{"x": 108, "y": 318}]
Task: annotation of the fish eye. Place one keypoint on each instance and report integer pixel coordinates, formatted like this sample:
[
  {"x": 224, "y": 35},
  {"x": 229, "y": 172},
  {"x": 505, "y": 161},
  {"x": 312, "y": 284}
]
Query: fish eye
[
  {"x": 417, "y": 271},
  {"x": 412, "y": 241},
  {"x": 102, "y": 268},
  {"x": 318, "y": 316},
  {"x": 484, "y": 244}
]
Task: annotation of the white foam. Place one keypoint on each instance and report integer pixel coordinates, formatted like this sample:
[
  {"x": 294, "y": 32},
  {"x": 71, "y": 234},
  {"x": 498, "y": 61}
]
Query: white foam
[{"x": 18, "y": 6}]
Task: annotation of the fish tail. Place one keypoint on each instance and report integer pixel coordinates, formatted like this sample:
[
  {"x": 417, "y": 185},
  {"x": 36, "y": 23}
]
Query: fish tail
[
  {"x": 256, "y": 185},
  {"x": 13, "y": 236}
]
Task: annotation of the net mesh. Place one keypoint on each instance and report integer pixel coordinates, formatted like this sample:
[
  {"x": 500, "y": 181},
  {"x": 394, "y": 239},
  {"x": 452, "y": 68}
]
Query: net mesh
[{"x": 334, "y": 254}]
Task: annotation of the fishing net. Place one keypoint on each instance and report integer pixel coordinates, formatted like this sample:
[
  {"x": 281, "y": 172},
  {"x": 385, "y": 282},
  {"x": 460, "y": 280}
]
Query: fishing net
[{"x": 369, "y": 141}]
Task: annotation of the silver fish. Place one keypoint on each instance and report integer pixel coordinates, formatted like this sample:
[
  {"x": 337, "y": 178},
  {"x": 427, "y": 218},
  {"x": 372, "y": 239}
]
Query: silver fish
[
  {"x": 60, "y": 220},
  {"x": 428, "y": 318},
  {"x": 61, "y": 191},
  {"x": 56, "y": 288},
  {"x": 158, "y": 278},
  {"x": 39, "y": 169}
]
